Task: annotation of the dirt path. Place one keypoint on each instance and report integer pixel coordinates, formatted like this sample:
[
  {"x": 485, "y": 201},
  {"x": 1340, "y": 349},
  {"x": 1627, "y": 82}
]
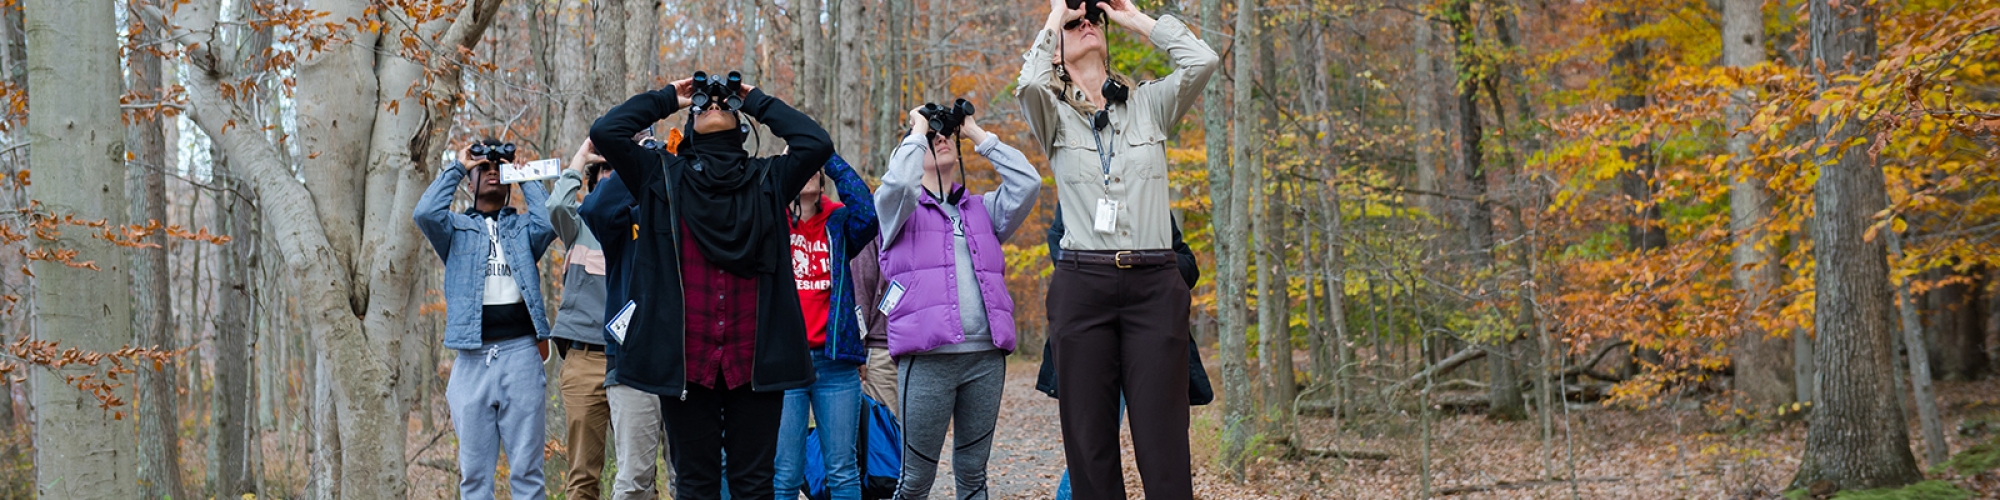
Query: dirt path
[{"x": 1027, "y": 459}]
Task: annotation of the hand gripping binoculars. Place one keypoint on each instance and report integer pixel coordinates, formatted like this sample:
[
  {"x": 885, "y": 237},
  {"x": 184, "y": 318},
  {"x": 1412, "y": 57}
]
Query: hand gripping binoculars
[
  {"x": 725, "y": 91},
  {"x": 946, "y": 121}
]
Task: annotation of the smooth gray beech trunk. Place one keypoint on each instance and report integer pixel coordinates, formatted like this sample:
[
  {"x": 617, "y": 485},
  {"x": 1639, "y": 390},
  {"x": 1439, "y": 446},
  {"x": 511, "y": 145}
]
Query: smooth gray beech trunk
[
  {"x": 1936, "y": 449},
  {"x": 1763, "y": 363},
  {"x": 77, "y": 159}
]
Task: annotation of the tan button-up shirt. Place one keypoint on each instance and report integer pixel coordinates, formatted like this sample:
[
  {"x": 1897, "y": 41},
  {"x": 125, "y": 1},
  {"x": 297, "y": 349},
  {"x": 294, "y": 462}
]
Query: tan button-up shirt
[{"x": 1127, "y": 161}]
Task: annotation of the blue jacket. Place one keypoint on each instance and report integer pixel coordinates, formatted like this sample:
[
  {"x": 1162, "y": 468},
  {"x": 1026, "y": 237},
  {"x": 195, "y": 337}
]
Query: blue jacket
[
  {"x": 848, "y": 229},
  {"x": 607, "y": 211},
  {"x": 460, "y": 239}
]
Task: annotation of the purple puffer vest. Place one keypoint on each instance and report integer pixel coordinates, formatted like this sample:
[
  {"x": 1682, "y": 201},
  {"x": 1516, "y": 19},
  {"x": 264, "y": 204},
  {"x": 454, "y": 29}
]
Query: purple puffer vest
[{"x": 920, "y": 259}]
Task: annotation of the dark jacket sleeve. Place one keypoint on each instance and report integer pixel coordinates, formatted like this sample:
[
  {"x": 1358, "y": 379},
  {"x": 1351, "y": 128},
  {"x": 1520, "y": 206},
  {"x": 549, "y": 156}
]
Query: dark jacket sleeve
[
  {"x": 807, "y": 144},
  {"x": 857, "y": 218},
  {"x": 612, "y": 134}
]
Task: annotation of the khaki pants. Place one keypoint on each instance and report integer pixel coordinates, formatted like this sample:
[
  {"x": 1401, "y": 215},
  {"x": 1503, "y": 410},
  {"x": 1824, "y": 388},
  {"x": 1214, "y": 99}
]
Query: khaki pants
[
  {"x": 878, "y": 379},
  {"x": 588, "y": 416}
]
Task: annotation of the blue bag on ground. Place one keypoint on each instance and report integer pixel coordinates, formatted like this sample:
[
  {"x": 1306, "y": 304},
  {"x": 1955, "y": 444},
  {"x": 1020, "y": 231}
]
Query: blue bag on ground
[{"x": 881, "y": 449}]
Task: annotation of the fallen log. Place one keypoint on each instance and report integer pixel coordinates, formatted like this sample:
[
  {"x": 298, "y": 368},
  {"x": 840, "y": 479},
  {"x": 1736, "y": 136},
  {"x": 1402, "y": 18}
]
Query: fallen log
[
  {"x": 1450, "y": 363},
  {"x": 1505, "y": 485},
  {"x": 1348, "y": 454}
]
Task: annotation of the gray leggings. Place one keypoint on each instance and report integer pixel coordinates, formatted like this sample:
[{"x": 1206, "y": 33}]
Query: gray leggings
[{"x": 939, "y": 389}]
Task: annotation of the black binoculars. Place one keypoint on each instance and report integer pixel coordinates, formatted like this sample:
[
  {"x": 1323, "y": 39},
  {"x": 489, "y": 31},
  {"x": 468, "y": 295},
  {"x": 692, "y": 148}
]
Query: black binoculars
[
  {"x": 946, "y": 121},
  {"x": 1090, "y": 11},
  {"x": 497, "y": 153},
  {"x": 728, "y": 91}
]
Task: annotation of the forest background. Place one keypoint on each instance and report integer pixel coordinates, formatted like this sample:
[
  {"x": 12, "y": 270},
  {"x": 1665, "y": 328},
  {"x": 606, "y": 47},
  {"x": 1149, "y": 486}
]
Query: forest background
[{"x": 1534, "y": 248}]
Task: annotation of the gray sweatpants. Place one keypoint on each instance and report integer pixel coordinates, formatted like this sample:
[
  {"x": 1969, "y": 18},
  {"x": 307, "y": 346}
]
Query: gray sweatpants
[
  {"x": 496, "y": 394},
  {"x": 961, "y": 390}
]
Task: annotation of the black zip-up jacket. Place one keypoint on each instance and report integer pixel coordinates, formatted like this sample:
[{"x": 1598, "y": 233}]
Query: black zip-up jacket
[{"x": 654, "y": 357}]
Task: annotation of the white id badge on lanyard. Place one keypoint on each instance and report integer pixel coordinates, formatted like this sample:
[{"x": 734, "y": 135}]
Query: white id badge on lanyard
[{"x": 1107, "y": 216}]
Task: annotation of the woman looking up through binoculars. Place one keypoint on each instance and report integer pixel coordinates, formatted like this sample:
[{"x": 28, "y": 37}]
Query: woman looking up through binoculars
[{"x": 1117, "y": 305}]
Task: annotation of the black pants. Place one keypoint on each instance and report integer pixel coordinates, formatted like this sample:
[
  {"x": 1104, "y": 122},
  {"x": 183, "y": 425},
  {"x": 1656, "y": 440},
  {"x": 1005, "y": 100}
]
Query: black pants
[
  {"x": 1122, "y": 331},
  {"x": 743, "y": 421}
]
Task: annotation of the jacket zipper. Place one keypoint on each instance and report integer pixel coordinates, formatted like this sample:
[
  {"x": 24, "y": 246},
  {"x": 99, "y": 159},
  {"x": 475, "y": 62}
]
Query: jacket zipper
[{"x": 674, "y": 229}]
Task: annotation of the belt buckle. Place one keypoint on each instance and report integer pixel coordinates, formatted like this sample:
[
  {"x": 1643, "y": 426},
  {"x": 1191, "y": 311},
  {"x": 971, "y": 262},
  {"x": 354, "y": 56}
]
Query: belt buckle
[{"x": 1118, "y": 259}]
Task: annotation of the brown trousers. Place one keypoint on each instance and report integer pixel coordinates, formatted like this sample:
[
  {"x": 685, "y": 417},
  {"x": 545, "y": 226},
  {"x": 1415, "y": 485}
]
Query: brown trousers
[
  {"x": 588, "y": 416},
  {"x": 1122, "y": 331}
]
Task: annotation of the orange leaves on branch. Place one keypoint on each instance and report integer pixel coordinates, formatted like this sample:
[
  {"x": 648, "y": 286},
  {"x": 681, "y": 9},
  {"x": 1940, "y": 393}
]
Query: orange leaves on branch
[
  {"x": 134, "y": 236},
  {"x": 100, "y": 372}
]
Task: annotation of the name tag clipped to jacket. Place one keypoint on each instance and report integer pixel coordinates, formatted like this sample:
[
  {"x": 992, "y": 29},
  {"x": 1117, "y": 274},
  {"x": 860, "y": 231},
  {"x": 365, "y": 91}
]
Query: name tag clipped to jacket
[
  {"x": 891, "y": 298},
  {"x": 620, "y": 322}
]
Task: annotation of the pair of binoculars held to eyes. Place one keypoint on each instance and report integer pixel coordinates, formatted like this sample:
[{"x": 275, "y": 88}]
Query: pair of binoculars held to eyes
[
  {"x": 497, "y": 153},
  {"x": 727, "y": 91},
  {"x": 1091, "y": 11},
  {"x": 946, "y": 121}
]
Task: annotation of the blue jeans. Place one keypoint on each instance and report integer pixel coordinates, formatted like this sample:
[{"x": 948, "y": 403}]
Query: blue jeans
[
  {"x": 1062, "y": 488},
  {"x": 835, "y": 404},
  {"x": 496, "y": 394}
]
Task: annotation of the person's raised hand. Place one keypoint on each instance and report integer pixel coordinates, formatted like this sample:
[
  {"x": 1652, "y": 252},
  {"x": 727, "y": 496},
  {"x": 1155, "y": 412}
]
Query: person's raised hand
[
  {"x": 466, "y": 159},
  {"x": 583, "y": 156},
  {"x": 970, "y": 129},
  {"x": 1123, "y": 13},
  {"x": 684, "y": 91},
  {"x": 918, "y": 124},
  {"x": 1059, "y": 13}
]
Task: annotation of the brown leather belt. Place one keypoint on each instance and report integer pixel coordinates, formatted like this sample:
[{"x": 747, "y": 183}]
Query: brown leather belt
[{"x": 1124, "y": 259}]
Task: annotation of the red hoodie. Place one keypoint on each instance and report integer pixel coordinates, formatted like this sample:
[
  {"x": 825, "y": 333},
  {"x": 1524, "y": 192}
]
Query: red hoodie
[{"x": 813, "y": 271}]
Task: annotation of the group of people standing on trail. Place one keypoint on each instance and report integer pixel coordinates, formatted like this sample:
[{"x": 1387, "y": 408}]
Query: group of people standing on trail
[{"x": 716, "y": 305}]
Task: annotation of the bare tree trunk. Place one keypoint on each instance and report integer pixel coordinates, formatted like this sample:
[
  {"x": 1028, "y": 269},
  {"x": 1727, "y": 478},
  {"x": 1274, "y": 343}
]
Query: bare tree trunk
[
  {"x": 1763, "y": 362},
  {"x": 1274, "y": 330},
  {"x": 152, "y": 306},
  {"x": 1424, "y": 112},
  {"x": 1239, "y": 409},
  {"x": 810, "y": 69},
  {"x": 609, "y": 72},
  {"x": 1856, "y": 438},
  {"x": 851, "y": 84},
  {"x": 1936, "y": 449},
  {"x": 573, "y": 67},
  {"x": 642, "y": 19},
  {"x": 81, "y": 451},
  {"x": 231, "y": 434}
]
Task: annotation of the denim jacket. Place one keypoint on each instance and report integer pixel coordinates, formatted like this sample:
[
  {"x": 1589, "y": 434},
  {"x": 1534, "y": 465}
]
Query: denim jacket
[{"x": 460, "y": 239}]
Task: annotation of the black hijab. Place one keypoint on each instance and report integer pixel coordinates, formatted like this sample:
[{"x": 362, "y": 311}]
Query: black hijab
[{"x": 718, "y": 195}]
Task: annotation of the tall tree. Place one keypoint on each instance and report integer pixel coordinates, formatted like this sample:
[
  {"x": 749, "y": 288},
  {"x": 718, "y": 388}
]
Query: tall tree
[
  {"x": 850, "y": 81},
  {"x": 609, "y": 69},
  {"x": 1763, "y": 363},
  {"x": 232, "y": 432},
  {"x": 81, "y": 450},
  {"x": 1239, "y": 403},
  {"x": 1856, "y": 438},
  {"x": 1274, "y": 305},
  {"x": 152, "y": 305},
  {"x": 378, "y": 107},
  {"x": 1936, "y": 449}
]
